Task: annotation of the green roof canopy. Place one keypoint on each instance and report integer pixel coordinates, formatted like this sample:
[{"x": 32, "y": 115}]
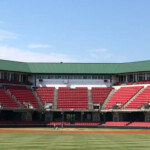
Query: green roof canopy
[{"x": 75, "y": 68}]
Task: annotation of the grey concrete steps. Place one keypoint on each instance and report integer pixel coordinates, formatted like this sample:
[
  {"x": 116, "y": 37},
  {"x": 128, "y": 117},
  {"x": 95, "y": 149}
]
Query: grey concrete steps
[
  {"x": 55, "y": 98},
  {"x": 90, "y": 103},
  {"x": 12, "y": 97},
  {"x": 37, "y": 98},
  {"x": 108, "y": 98},
  {"x": 140, "y": 91}
]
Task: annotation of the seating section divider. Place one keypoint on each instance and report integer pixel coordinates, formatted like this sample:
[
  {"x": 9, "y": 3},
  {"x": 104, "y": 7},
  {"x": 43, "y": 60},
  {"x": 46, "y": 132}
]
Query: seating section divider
[
  {"x": 99, "y": 94},
  {"x": 87, "y": 123},
  {"x": 22, "y": 94},
  {"x": 122, "y": 96},
  {"x": 113, "y": 123},
  {"x": 46, "y": 94},
  {"x": 140, "y": 124},
  {"x": 72, "y": 98},
  {"x": 6, "y": 100},
  {"x": 140, "y": 100}
]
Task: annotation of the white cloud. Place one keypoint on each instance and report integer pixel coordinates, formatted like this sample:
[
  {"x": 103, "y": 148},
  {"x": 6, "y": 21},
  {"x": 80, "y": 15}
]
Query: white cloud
[
  {"x": 7, "y": 35},
  {"x": 11, "y": 53},
  {"x": 99, "y": 53},
  {"x": 34, "y": 46},
  {"x": 104, "y": 55}
]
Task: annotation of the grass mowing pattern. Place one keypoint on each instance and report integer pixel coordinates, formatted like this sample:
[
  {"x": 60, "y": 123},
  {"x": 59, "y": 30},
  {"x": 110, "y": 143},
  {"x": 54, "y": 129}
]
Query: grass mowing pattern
[{"x": 70, "y": 141}]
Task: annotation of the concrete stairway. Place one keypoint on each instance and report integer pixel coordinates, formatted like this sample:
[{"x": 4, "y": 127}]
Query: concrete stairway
[
  {"x": 55, "y": 98},
  {"x": 108, "y": 98},
  {"x": 133, "y": 98},
  {"x": 12, "y": 97},
  {"x": 37, "y": 98},
  {"x": 90, "y": 103}
]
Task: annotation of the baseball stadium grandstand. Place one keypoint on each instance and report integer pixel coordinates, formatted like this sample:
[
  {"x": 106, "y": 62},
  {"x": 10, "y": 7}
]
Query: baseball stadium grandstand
[{"x": 75, "y": 94}]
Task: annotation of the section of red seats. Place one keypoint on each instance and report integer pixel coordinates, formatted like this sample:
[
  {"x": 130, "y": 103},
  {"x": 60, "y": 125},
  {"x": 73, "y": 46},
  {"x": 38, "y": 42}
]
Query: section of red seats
[
  {"x": 122, "y": 96},
  {"x": 72, "y": 98}
]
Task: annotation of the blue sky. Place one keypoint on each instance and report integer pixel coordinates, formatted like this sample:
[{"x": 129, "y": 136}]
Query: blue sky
[{"x": 75, "y": 30}]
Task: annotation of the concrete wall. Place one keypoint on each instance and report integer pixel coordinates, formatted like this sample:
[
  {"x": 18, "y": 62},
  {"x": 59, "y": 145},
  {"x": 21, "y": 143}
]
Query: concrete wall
[{"x": 72, "y": 83}]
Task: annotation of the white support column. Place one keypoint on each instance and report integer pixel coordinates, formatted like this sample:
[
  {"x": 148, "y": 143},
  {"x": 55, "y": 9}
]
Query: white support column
[
  {"x": 19, "y": 77},
  {"x": 126, "y": 78},
  {"x": 145, "y": 76},
  {"x": 9, "y": 76},
  {"x": 136, "y": 78}
]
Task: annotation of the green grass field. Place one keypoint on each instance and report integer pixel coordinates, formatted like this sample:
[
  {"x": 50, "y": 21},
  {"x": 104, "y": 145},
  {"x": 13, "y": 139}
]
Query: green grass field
[{"x": 73, "y": 141}]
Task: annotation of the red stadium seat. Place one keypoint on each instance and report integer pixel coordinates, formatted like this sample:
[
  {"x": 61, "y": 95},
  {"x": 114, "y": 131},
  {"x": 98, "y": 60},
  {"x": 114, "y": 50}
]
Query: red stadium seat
[
  {"x": 140, "y": 124},
  {"x": 6, "y": 100},
  {"x": 87, "y": 123},
  {"x": 100, "y": 94},
  {"x": 113, "y": 123},
  {"x": 22, "y": 94},
  {"x": 72, "y": 98},
  {"x": 122, "y": 96},
  {"x": 46, "y": 94},
  {"x": 140, "y": 100}
]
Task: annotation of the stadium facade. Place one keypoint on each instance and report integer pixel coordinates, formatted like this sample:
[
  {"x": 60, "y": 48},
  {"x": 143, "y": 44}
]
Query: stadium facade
[{"x": 75, "y": 92}]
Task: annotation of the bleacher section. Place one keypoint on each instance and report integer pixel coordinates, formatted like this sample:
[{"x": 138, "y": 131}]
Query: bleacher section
[
  {"x": 140, "y": 124},
  {"x": 140, "y": 100},
  {"x": 15, "y": 82},
  {"x": 72, "y": 98},
  {"x": 100, "y": 94},
  {"x": 112, "y": 123},
  {"x": 6, "y": 101},
  {"x": 87, "y": 123},
  {"x": 122, "y": 96},
  {"x": 143, "y": 82},
  {"x": 4, "y": 81},
  {"x": 23, "y": 95},
  {"x": 27, "y": 83},
  {"x": 46, "y": 94},
  {"x": 129, "y": 83}
]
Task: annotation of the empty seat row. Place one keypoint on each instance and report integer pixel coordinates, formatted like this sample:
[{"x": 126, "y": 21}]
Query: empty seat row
[
  {"x": 100, "y": 94},
  {"x": 46, "y": 94},
  {"x": 122, "y": 96},
  {"x": 140, "y": 100},
  {"x": 140, "y": 124},
  {"x": 87, "y": 123},
  {"x": 6, "y": 101},
  {"x": 113, "y": 123},
  {"x": 72, "y": 98},
  {"x": 23, "y": 95}
]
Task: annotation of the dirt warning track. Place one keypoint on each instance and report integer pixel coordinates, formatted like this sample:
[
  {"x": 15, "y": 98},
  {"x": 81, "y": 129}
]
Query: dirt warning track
[{"x": 81, "y": 132}]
